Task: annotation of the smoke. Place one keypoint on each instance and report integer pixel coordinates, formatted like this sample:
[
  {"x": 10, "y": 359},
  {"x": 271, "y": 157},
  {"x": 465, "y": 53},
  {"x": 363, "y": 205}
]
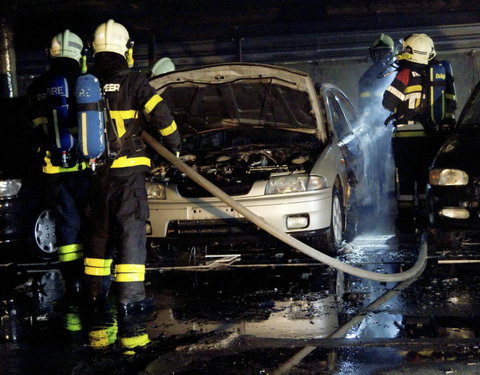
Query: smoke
[{"x": 379, "y": 171}]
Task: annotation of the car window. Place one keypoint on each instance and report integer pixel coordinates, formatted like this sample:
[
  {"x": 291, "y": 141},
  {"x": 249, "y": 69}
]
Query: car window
[
  {"x": 339, "y": 121},
  {"x": 348, "y": 110}
]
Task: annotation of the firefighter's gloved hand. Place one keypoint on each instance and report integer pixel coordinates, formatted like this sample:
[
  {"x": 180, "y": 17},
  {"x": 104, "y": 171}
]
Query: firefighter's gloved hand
[{"x": 389, "y": 120}]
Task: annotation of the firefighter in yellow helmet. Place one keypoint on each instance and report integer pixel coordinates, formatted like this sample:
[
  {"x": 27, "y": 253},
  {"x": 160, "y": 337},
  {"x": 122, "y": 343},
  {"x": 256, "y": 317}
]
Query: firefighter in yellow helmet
[
  {"x": 52, "y": 109},
  {"x": 118, "y": 196},
  {"x": 415, "y": 137}
]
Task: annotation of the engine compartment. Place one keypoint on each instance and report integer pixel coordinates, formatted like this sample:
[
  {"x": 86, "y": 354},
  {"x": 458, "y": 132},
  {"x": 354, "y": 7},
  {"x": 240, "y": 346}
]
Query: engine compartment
[{"x": 235, "y": 168}]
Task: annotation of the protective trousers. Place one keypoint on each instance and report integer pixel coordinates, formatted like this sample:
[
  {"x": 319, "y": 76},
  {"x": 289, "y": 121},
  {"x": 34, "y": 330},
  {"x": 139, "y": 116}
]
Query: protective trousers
[
  {"x": 118, "y": 211},
  {"x": 413, "y": 156},
  {"x": 67, "y": 194}
]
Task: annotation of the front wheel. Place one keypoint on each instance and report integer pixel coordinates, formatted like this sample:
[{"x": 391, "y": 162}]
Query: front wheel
[
  {"x": 333, "y": 238},
  {"x": 44, "y": 241}
]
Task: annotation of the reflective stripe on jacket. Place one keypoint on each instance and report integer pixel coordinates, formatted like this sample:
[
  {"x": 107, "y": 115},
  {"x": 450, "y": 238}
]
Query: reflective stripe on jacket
[{"x": 131, "y": 101}]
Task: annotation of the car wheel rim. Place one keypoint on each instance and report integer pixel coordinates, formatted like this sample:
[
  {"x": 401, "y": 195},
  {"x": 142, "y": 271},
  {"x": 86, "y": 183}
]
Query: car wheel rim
[
  {"x": 337, "y": 226},
  {"x": 45, "y": 232}
]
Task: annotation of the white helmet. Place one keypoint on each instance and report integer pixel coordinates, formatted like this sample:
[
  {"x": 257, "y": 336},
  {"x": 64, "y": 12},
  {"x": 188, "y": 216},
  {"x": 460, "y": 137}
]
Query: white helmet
[
  {"x": 418, "y": 48},
  {"x": 66, "y": 44},
  {"x": 111, "y": 37},
  {"x": 164, "y": 65}
]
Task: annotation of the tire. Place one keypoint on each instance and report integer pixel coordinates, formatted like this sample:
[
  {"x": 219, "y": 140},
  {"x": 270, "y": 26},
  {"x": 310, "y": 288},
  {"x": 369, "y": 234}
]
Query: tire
[
  {"x": 331, "y": 241},
  {"x": 43, "y": 240}
]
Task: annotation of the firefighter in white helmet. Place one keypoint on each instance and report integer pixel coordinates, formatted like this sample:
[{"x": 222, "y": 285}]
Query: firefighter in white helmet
[
  {"x": 119, "y": 199},
  {"x": 415, "y": 137},
  {"x": 65, "y": 176}
]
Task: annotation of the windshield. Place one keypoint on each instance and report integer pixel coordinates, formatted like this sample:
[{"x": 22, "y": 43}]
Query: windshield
[
  {"x": 248, "y": 138},
  {"x": 470, "y": 117},
  {"x": 200, "y": 107}
]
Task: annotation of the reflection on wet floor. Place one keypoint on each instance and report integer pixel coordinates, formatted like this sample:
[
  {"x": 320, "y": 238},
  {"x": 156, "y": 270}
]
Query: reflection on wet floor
[{"x": 272, "y": 320}]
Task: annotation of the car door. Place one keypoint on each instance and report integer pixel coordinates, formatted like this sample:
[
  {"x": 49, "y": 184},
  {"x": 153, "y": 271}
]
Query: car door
[{"x": 347, "y": 141}]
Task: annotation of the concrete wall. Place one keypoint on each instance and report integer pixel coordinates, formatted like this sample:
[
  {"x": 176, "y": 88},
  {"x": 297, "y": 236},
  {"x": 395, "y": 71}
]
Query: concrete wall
[{"x": 345, "y": 73}]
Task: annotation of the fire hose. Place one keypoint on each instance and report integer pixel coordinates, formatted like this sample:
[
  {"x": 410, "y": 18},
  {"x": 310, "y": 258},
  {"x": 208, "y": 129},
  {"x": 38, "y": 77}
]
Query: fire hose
[{"x": 415, "y": 270}]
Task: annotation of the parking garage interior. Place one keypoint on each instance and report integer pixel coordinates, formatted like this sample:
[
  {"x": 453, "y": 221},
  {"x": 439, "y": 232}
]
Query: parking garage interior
[{"x": 280, "y": 312}]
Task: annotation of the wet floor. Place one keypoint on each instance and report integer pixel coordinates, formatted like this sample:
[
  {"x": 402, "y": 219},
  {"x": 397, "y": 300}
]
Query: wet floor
[{"x": 293, "y": 318}]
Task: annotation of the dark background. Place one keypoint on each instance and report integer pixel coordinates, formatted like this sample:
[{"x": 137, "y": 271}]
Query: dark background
[{"x": 35, "y": 21}]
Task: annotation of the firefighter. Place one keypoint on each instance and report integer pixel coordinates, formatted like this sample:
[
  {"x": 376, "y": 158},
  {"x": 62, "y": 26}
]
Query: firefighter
[
  {"x": 415, "y": 139},
  {"x": 375, "y": 80},
  {"x": 66, "y": 181},
  {"x": 372, "y": 85},
  {"x": 118, "y": 198}
]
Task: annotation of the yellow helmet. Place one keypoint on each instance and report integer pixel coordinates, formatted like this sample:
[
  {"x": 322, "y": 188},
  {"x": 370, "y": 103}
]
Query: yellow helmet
[
  {"x": 418, "y": 48},
  {"x": 111, "y": 37},
  {"x": 66, "y": 44}
]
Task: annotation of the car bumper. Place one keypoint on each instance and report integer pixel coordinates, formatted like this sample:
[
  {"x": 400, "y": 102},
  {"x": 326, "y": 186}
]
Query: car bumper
[
  {"x": 453, "y": 208},
  {"x": 211, "y": 218}
]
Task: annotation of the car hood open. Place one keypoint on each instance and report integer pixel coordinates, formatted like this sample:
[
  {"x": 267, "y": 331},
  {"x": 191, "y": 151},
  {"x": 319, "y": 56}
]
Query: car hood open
[{"x": 242, "y": 94}]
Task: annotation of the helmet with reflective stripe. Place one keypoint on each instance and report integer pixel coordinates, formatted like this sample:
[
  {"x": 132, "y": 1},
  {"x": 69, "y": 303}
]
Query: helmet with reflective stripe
[
  {"x": 382, "y": 49},
  {"x": 111, "y": 37},
  {"x": 66, "y": 44},
  {"x": 418, "y": 48}
]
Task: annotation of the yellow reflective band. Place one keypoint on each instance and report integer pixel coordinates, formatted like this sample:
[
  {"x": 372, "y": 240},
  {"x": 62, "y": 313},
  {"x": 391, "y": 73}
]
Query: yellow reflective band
[
  {"x": 415, "y": 88},
  {"x": 94, "y": 271},
  {"x": 49, "y": 168},
  {"x": 39, "y": 121},
  {"x": 125, "y": 273},
  {"x": 119, "y": 268},
  {"x": 132, "y": 342},
  {"x": 98, "y": 262},
  {"x": 450, "y": 96},
  {"x": 412, "y": 133},
  {"x": 365, "y": 94},
  {"x": 66, "y": 249},
  {"x": 73, "y": 322},
  {"x": 124, "y": 162},
  {"x": 129, "y": 277},
  {"x": 70, "y": 257},
  {"x": 169, "y": 129},
  {"x": 152, "y": 103},
  {"x": 102, "y": 338},
  {"x": 83, "y": 125},
  {"x": 119, "y": 116}
]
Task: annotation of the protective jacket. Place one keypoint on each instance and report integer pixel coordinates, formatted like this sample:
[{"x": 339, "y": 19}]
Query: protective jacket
[
  {"x": 131, "y": 100},
  {"x": 405, "y": 97},
  {"x": 371, "y": 88}
]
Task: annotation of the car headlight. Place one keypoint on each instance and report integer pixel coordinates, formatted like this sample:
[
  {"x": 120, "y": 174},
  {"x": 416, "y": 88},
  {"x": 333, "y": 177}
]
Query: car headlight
[
  {"x": 10, "y": 188},
  {"x": 155, "y": 190},
  {"x": 294, "y": 184},
  {"x": 448, "y": 177}
]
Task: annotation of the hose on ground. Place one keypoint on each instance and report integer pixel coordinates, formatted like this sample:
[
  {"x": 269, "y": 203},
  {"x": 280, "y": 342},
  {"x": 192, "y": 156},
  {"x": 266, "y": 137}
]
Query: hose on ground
[{"x": 416, "y": 269}]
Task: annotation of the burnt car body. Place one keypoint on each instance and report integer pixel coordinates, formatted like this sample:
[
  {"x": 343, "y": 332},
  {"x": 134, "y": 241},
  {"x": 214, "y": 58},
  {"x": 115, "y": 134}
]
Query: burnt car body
[
  {"x": 453, "y": 191},
  {"x": 27, "y": 226},
  {"x": 288, "y": 151}
]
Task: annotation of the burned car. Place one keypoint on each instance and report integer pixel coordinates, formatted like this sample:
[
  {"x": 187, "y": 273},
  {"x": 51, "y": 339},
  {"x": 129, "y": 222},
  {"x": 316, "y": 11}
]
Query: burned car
[
  {"x": 269, "y": 138},
  {"x": 453, "y": 191}
]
